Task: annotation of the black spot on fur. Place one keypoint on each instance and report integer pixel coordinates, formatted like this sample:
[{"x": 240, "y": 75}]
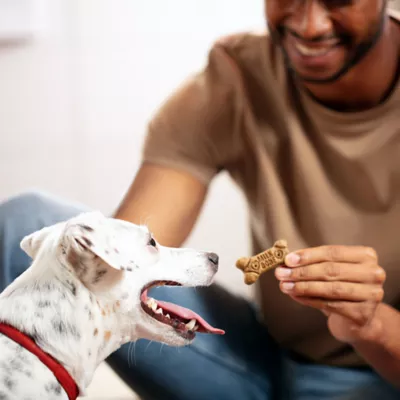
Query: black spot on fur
[
  {"x": 39, "y": 315},
  {"x": 59, "y": 326},
  {"x": 9, "y": 383},
  {"x": 27, "y": 373},
  {"x": 89, "y": 353},
  {"x": 99, "y": 274},
  {"x": 71, "y": 287},
  {"x": 89, "y": 312},
  {"x": 4, "y": 396},
  {"x": 122, "y": 268},
  {"x": 65, "y": 329},
  {"x": 48, "y": 286},
  {"x": 22, "y": 362},
  {"x": 6, "y": 368},
  {"x": 133, "y": 265},
  {"x": 53, "y": 388},
  {"x": 43, "y": 303},
  {"x": 16, "y": 365},
  {"x": 34, "y": 334},
  {"x": 129, "y": 269},
  {"x": 87, "y": 228},
  {"x": 75, "y": 333},
  {"x": 87, "y": 241}
]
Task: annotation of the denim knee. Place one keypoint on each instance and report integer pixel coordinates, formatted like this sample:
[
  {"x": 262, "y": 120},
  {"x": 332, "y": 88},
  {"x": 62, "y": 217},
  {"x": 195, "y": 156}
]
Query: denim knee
[{"x": 20, "y": 216}]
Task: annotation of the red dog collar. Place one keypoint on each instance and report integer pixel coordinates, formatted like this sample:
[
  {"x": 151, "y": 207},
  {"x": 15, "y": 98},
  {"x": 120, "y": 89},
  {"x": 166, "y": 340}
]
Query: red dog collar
[{"x": 61, "y": 374}]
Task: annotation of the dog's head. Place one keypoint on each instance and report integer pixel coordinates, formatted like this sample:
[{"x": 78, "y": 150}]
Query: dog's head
[{"x": 118, "y": 262}]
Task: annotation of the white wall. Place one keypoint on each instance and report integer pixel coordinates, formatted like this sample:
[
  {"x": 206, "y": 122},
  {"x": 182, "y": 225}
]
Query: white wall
[{"x": 75, "y": 100}]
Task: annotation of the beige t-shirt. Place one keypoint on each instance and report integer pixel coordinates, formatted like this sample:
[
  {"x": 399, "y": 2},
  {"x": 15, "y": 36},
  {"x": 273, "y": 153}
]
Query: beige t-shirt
[{"x": 311, "y": 175}]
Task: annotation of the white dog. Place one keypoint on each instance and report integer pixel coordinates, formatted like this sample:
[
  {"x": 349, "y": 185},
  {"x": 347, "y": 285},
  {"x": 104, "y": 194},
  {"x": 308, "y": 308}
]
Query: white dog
[{"x": 86, "y": 294}]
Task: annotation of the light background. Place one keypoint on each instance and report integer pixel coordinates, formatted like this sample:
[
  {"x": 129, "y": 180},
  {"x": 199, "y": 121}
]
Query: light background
[{"x": 76, "y": 95}]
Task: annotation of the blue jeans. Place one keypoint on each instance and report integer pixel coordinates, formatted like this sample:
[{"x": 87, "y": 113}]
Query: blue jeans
[{"x": 243, "y": 364}]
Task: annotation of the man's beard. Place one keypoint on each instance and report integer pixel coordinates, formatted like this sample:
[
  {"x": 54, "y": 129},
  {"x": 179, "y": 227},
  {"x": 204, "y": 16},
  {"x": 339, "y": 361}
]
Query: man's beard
[{"x": 357, "y": 55}]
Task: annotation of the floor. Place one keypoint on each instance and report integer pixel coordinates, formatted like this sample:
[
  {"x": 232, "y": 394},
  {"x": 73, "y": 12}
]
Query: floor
[{"x": 107, "y": 386}]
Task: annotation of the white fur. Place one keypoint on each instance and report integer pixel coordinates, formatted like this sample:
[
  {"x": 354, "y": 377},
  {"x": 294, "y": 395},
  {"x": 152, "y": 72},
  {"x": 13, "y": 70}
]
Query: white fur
[{"x": 80, "y": 298}]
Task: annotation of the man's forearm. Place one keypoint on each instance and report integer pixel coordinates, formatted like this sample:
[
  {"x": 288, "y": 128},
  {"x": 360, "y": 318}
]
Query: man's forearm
[{"x": 383, "y": 353}]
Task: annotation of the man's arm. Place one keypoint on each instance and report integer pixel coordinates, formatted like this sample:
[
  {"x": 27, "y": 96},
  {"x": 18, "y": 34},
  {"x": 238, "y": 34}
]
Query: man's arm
[
  {"x": 168, "y": 201},
  {"x": 382, "y": 349}
]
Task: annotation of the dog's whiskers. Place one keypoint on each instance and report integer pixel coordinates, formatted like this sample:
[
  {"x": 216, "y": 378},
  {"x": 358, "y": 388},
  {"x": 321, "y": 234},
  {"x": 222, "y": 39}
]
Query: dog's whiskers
[
  {"x": 131, "y": 354},
  {"x": 151, "y": 341}
]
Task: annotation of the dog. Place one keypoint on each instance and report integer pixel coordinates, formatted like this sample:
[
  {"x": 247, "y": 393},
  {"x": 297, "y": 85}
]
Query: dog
[{"x": 84, "y": 295}]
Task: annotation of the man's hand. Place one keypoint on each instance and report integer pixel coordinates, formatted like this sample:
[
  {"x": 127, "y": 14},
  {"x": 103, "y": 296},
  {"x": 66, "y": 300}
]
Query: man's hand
[{"x": 344, "y": 282}]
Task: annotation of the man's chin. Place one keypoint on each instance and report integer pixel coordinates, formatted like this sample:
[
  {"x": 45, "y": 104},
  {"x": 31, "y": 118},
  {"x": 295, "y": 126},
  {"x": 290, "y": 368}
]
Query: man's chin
[
  {"x": 317, "y": 78},
  {"x": 317, "y": 75}
]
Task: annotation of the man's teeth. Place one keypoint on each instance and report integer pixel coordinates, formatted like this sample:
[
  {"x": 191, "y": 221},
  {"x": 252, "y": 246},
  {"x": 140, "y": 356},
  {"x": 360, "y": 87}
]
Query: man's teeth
[
  {"x": 191, "y": 324},
  {"x": 310, "y": 51}
]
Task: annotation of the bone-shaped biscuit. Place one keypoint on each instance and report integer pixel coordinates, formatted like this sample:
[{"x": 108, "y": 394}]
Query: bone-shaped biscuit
[{"x": 254, "y": 266}]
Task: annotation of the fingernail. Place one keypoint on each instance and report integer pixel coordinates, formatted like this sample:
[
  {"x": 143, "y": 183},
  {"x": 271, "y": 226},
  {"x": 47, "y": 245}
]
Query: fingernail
[
  {"x": 287, "y": 286},
  {"x": 283, "y": 272},
  {"x": 292, "y": 259}
]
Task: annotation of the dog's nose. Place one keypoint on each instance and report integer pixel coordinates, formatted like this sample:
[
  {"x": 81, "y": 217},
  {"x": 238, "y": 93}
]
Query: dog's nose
[{"x": 213, "y": 257}]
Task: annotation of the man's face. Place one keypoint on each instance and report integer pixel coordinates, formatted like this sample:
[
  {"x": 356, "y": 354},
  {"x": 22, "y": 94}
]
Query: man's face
[{"x": 323, "y": 39}]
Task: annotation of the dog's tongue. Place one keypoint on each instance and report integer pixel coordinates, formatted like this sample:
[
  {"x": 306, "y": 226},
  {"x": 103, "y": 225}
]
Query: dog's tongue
[{"x": 185, "y": 313}]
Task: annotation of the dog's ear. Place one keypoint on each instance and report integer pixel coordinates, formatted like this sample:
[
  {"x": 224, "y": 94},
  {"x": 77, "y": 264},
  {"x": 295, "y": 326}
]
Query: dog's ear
[
  {"x": 32, "y": 243},
  {"x": 90, "y": 246}
]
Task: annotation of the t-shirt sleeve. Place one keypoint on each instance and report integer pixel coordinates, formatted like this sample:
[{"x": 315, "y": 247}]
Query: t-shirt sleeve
[{"x": 195, "y": 129}]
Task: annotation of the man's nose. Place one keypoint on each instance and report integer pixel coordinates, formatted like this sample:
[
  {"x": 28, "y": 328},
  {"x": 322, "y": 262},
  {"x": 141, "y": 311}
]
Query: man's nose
[{"x": 311, "y": 19}]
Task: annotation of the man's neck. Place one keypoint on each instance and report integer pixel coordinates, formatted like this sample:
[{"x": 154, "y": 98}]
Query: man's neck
[{"x": 369, "y": 83}]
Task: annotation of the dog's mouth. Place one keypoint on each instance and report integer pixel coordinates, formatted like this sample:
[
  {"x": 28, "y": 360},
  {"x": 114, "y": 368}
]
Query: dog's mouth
[{"x": 185, "y": 322}]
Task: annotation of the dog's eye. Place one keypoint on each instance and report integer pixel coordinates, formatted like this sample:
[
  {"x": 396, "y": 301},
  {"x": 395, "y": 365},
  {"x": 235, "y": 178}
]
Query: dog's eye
[{"x": 152, "y": 243}]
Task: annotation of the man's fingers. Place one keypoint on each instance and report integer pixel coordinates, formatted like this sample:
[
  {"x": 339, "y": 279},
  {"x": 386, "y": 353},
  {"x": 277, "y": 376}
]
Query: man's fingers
[
  {"x": 335, "y": 290},
  {"x": 346, "y": 254},
  {"x": 360, "y": 312},
  {"x": 333, "y": 271}
]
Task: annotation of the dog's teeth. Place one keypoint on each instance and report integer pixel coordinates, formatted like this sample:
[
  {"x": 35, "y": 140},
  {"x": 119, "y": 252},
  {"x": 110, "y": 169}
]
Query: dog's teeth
[
  {"x": 159, "y": 311},
  {"x": 195, "y": 328},
  {"x": 168, "y": 316},
  {"x": 190, "y": 325},
  {"x": 154, "y": 306},
  {"x": 151, "y": 302}
]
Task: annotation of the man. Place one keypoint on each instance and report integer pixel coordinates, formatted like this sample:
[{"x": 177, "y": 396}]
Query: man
[{"x": 306, "y": 121}]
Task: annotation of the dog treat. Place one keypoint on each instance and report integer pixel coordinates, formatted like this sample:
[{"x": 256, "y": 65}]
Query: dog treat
[{"x": 254, "y": 266}]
